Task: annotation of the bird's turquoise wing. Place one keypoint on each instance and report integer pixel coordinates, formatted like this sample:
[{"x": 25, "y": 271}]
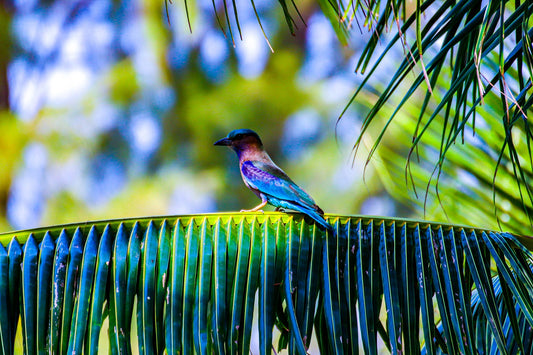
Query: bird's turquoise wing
[{"x": 272, "y": 181}]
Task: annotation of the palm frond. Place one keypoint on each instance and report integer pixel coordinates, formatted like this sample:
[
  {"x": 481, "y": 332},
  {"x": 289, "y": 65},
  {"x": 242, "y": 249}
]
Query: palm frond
[
  {"x": 461, "y": 188},
  {"x": 518, "y": 343},
  {"x": 194, "y": 280},
  {"x": 485, "y": 45}
]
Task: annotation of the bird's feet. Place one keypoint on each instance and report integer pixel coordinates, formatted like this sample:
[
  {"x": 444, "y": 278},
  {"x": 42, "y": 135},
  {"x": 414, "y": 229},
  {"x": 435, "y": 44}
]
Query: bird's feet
[
  {"x": 253, "y": 210},
  {"x": 257, "y": 208}
]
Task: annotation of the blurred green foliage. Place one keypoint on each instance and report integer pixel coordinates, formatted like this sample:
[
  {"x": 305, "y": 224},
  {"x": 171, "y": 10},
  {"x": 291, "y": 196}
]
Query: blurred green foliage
[
  {"x": 152, "y": 88},
  {"x": 91, "y": 138},
  {"x": 123, "y": 85},
  {"x": 15, "y": 135}
]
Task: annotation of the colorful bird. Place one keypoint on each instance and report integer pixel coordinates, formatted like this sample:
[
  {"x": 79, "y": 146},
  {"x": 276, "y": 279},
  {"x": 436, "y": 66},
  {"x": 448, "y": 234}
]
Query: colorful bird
[{"x": 261, "y": 175}]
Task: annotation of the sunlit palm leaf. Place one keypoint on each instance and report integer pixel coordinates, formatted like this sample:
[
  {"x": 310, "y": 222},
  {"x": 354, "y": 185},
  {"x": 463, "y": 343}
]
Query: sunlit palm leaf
[
  {"x": 195, "y": 280},
  {"x": 466, "y": 180},
  {"x": 487, "y": 47}
]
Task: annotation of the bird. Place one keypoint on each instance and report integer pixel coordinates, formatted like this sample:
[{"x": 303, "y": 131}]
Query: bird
[{"x": 271, "y": 184}]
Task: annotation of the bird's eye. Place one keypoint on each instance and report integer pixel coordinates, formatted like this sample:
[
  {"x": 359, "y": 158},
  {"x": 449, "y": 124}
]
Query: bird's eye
[{"x": 238, "y": 136}]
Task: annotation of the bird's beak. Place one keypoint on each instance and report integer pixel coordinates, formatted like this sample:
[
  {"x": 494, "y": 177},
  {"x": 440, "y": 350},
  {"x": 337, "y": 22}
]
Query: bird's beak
[{"x": 223, "y": 141}]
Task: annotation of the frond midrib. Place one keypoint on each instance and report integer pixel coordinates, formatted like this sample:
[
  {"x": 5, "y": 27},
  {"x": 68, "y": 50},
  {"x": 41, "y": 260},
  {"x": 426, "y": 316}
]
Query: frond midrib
[{"x": 38, "y": 232}]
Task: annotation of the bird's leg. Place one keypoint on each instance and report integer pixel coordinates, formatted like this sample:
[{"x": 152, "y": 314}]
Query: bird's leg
[{"x": 258, "y": 207}]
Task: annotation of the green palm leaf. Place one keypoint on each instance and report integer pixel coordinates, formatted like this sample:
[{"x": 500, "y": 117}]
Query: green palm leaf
[
  {"x": 194, "y": 280},
  {"x": 472, "y": 57},
  {"x": 519, "y": 341}
]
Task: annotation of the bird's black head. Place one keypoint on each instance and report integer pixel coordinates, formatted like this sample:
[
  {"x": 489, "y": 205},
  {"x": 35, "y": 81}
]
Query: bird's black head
[{"x": 240, "y": 139}]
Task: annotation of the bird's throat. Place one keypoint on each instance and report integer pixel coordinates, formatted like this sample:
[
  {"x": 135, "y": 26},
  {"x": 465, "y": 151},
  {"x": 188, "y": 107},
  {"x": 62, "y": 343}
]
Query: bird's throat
[{"x": 253, "y": 153}]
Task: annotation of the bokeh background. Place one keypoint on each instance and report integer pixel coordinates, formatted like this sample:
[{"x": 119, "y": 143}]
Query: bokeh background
[
  {"x": 109, "y": 109},
  {"x": 114, "y": 109}
]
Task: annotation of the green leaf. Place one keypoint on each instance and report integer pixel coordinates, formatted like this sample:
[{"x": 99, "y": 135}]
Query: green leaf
[
  {"x": 410, "y": 299},
  {"x": 390, "y": 277},
  {"x": 44, "y": 286},
  {"x": 252, "y": 284},
  {"x": 117, "y": 294},
  {"x": 475, "y": 58},
  {"x": 163, "y": 258},
  {"x": 479, "y": 267},
  {"x": 5, "y": 331},
  {"x": 366, "y": 276},
  {"x": 15, "y": 254},
  {"x": 71, "y": 290},
  {"x": 147, "y": 292},
  {"x": 238, "y": 291},
  {"x": 99, "y": 291},
  {"x": 350, "y": 281},
  {"x": 29, "y": 295},
  {"x": 189, "y": 286},
  {"x": 134, "y": 256},
  {"x": 219, "y": 290},
  {"x": 203, "y": 289},
  {"x": 194, "y": 279},
  {"x": 80, "y": 315},
  {"x": 59, "y": 274},
  {"x": 292, "y": 290},
  {"x": 174, "y": 303},
  {"x": 425, "y": 285},
  {"x": 266, "y": 288}
]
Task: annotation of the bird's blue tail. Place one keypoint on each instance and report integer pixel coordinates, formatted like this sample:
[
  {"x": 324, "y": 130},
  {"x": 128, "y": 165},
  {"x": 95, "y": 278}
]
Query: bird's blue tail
[
  {"x": 318, "y": 218},
  {"x": 304, "y": 209}
]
